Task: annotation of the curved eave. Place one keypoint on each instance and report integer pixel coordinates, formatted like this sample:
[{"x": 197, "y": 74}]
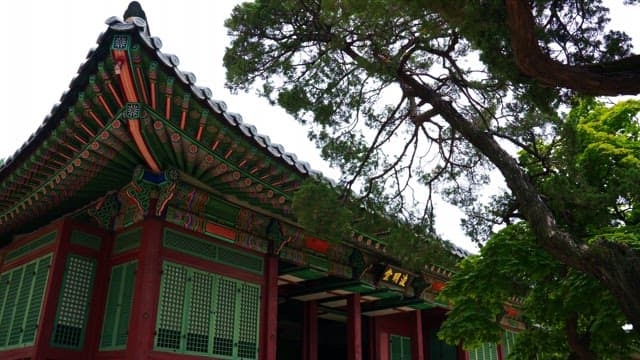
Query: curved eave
[
  {"x": 84, "y": 147},
  {"x": 201, "y": 99}
]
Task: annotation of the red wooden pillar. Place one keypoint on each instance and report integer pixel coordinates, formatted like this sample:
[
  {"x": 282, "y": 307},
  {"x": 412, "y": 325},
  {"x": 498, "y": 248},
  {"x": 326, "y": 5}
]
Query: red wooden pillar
[
  {"x": 418, "y": 348},
  {"x": 354, "y": 328},
  {"x": 373, "y": 338},
  {"x": 99, "y": 297},
  {"x": 381, "y": 341},
  {"x": 42, "y": 342},
  {"x": 146, "y": 290},
  {"x": 270, "y": 318},
  {"x": 310, "y": 331},
  {"x": 499, "y": 350}
]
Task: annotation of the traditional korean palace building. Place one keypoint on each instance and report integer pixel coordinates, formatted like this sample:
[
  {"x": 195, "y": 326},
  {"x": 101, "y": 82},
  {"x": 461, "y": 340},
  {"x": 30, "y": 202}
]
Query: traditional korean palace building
[{"x": 143, "y": 220}]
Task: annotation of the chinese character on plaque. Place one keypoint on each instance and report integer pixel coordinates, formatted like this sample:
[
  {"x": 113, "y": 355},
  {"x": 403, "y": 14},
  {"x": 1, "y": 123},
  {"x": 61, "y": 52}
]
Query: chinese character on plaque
[{"x": 395, "y": 276}]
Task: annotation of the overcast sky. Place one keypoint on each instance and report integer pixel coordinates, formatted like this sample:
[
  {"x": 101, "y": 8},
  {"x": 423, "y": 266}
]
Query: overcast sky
[{"x": 44, "y": 42}]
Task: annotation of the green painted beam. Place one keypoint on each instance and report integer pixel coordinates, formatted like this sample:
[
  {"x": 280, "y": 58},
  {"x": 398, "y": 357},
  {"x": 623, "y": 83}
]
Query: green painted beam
[
  {"x": 318, "y": 285},
  {"x": 391, "y": 303}
]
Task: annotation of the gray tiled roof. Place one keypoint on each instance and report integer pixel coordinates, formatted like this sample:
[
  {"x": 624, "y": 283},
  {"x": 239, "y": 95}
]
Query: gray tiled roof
[{"x": 138, "y": 26}]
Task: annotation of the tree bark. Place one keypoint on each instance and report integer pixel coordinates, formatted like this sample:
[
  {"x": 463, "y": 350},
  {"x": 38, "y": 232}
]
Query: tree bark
[
  {"x": 620, "y": 77},
  {"x": 579, "y": 345},
  {"x": 615, "y": 265}
]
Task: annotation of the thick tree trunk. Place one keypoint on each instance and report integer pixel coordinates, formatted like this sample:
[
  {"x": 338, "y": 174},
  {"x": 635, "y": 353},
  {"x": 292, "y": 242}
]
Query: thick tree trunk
[
  {"x": 578, "y": 344},
  {"x": 620, "y": 77},
  {"x": 615, "y": 265}
]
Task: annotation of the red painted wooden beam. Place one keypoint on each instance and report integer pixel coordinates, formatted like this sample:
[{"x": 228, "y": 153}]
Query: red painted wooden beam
[
  {"x": 270, "y": 310},
  {"x": 418, "y": 349},
  {"x": 373, "y": 331},
  {"x": 147, "y": 288},
  {"x": 310, "y": 331},
  {"x": 98, "y": 303},
  {"x": 354, "y": 328}
]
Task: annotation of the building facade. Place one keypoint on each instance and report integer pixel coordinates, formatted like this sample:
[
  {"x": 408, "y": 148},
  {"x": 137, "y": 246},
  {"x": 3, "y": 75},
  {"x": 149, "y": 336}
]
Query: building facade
[{"x": 143, "y": 220}]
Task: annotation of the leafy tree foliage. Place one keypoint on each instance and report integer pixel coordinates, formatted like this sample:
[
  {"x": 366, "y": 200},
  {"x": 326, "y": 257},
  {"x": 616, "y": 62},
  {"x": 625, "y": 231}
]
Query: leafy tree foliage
[
  {"x": 590, "y": 179},
  {"x": 322, "y": 210},
  {"x": 319, "y": 211},
  {"x": 394, "y": 95},
  {"x": 569, "y": 314}
]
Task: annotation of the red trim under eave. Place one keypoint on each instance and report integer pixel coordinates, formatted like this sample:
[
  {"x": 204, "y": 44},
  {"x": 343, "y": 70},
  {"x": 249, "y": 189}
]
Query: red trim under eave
[
  {"x": 511, "y": 312},
  {"x": 19, "y": 353},
  {"x": 438, "y": 286},
  {"x": 83, "y": 251},
  {"x": 317, "y": 245},
  {"x": 67, "y": 354},
  {"x": 108, "y": 355},
  {"x": 124, "y": 257},
  {"x": 215, "y": 229},
  {"x": 159, "y": 355}
]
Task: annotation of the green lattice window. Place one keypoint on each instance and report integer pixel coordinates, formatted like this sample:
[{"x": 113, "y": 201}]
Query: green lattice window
[
  {"x": 199, "y": 325},
  {"x": 171, "y": 306},
  {"x": 508, "y": 341},
  {"x": 207, "y": 314},
  {"x": 73, "y": 304},
  {"x": 248, "y": 320},
  {"x": 21, "y": 293},
  {"x": 115, "y": 328},
  {"x": 487, "y": 351},
  {"x": 399, "y": 347}
]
